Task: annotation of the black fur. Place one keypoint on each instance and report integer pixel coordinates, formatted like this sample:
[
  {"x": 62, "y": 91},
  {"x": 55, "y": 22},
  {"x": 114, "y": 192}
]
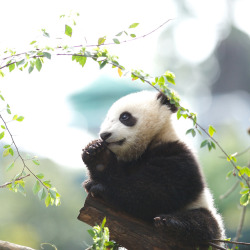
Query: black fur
[
  {"x": 155, "y": 188},
  {"x": 166, "y": 101}
]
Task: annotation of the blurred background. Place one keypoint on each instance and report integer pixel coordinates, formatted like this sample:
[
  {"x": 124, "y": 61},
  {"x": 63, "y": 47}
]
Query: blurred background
[{"x": 206, "y": 45}]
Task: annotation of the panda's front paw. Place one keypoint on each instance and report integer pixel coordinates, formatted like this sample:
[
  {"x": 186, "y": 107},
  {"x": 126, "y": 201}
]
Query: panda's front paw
[
  {"x": 97, "y": 190},
  {"x": 92, "y": 150},
  {"x": 88, "y": 184}
]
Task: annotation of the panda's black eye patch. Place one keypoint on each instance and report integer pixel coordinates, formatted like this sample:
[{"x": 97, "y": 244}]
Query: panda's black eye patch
[{"x": 127, "y": 119}]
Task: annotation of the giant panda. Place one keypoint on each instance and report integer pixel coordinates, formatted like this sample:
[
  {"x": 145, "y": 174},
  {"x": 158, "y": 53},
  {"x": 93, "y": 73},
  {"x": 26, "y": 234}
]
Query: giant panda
[{"x": 140, "y": 166}]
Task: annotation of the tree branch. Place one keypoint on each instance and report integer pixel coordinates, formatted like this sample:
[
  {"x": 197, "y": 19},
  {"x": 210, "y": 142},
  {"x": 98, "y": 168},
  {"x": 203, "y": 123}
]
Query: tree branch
[
  {"x": 18, "y": 179},
  {"x": 19, "y": 154},
  {"x": 223, "y": 196},
  {"x": 240, "y": 226}
]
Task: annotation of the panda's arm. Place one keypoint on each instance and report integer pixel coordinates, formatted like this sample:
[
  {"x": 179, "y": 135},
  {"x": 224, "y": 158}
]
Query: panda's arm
[{"x": 99, "y": 161}]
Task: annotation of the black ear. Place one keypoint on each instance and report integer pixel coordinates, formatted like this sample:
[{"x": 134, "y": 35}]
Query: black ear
[{"x": 164, "y": 100}]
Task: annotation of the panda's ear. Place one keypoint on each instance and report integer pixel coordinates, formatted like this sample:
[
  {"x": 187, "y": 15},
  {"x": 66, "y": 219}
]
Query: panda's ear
[{"x": 164, "y": 100}]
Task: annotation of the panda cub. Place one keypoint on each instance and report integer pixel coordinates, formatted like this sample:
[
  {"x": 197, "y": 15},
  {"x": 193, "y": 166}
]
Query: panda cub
[{"x": 140, "y": 166}]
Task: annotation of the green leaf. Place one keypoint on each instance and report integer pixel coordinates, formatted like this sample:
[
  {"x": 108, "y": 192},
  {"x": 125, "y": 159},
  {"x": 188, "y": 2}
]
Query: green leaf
[
  {"x": 68, "y": 30},
  {"x": 3, "y": 127},
  {"x": 2, "y": 97},
  {"x": 103, "y": 222},
  {"x": 2, "y": 135},
  {"x": 134, "y": 25},
  {"x": 161, "y": 81},
  {"x": 204, "y": 143},
  {"x": 80, "y": 59},
  {"x": 179, "y": 114},
  {"x": 211, "y": 130},
  {"x": 47, "y": 184},
  {"x": 45, "y": 33},
  {"x": 17, "y": 176},
  {"x": 20, "y": 63},
  {"x": 244, "y": 170},
  {"x": 120, "y": 33},
  {"x": 40, "y": 176},
  {"x": 101, "y": 40},
  {"x": 192, "y": 131},
  {"x": 36, "y": 162},
  {"x": 11, "y": 67},
  {"x": 244, "y": 191},
  {"x": 133, "y": 35},
  {"x": 10, "y": 166},
  {"x": 170, "y": 77},
  {"x": 91, "y": 233},
  {"x": 244, "y": 200},
  {"x": 36, "y": 187},
  {"x": 52, "y": 193},
  {"x": 32, "y": 42},
  {"x": 11, "y": 151},
  {"x": 1, "y": 73},
  {"x": 21, "y": 190},
  {"x": 48, "y": 200},
  {"x": 6, "y": 152},
  {"x": 103, "y": 64},
  {"x": 20, "y": 118},
  {"x": 42, "y": 194},
  {"x": 14, "y": 117},
  {"x": 116, "y": 41},
  {"x": 38, "y": 64},
  {"x": 213, "y": 145},
  {"x": 47, "y": 55},
  {"x": 31, "y": 67},
  {"x": 229, "y": 174}
]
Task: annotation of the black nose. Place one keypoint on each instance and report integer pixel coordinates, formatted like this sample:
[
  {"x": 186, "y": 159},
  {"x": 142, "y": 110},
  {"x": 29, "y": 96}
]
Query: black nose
[{"x": 105, "y": 135}]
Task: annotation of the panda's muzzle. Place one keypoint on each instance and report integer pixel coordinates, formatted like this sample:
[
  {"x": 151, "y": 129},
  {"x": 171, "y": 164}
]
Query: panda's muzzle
[{"x": 106, "y": 135}]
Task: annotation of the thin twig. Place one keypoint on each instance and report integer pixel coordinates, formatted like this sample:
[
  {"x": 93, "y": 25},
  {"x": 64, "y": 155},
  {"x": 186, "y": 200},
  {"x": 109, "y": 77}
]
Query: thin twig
[
  {"x": 241, "y": 223},
  {"x": 18, "y": 179},
  {"x": 87, "y": 45},
  {"x": 232, "y": 242},
  {"x": 238, "y": 154},
  {"x": 216, "y": 246},
  {"x": 223, "y": 151},
  {"x": 230, "y": 191},
  {"x": 19, "y": 154}
]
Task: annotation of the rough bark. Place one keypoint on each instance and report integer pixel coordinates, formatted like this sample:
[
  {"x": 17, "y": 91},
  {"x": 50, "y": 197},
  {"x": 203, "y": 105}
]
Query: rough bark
[{"x": 128, "y": 231}]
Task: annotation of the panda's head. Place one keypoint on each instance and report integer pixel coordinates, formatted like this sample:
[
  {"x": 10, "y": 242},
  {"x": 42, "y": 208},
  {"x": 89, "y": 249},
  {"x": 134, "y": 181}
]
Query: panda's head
[{"x": 136, "y": 121}]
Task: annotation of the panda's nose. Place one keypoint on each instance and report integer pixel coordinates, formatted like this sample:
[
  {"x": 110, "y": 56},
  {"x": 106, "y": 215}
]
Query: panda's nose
[{"x": 105, "y": 135}]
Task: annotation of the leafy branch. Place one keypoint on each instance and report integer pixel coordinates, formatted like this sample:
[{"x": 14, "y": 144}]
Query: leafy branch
[{"x": 42, "y": 188}]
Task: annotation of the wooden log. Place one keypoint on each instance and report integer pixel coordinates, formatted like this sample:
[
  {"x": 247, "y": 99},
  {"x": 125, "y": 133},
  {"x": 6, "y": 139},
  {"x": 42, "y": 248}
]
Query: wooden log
[{"x": 128, "y": 231}]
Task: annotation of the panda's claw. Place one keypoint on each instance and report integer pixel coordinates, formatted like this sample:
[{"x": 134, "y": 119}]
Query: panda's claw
[{"x": 91, "y": 150}]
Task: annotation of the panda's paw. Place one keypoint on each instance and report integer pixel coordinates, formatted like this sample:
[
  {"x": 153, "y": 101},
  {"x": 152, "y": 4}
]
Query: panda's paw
[
  {"x": 91, "y": 151},
  {"x": 88, "y": 184},
  {"x": 97, "y": 190},
  {"x": 167, "y": 222}
]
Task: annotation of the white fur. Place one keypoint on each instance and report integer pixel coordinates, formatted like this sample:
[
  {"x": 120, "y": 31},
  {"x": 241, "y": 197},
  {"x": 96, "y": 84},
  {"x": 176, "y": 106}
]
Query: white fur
[{"x": 153, "y": 122}]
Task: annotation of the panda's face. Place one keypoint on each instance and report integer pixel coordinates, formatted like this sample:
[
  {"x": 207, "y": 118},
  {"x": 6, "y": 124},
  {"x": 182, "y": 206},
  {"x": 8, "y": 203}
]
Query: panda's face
[{"x": 133, "y": 122}]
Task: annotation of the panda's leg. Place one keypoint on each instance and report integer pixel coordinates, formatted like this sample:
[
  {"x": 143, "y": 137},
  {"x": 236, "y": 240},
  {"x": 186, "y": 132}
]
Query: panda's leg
[{"x": 192, "y": 227}]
